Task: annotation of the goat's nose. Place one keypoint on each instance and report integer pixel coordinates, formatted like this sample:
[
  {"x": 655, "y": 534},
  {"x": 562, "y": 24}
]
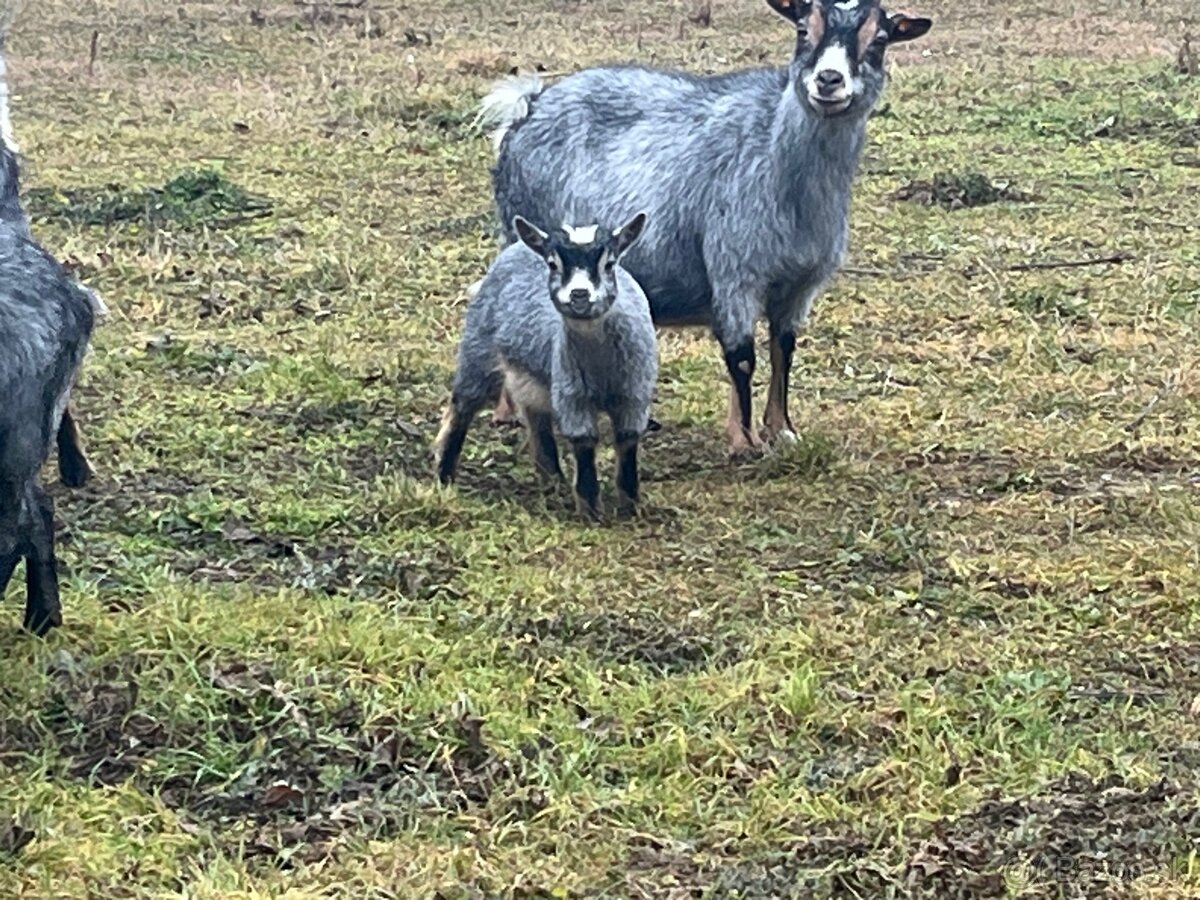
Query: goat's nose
[
  {"x": 829, "y": 81},
  {"x": 581, "y": 297}
]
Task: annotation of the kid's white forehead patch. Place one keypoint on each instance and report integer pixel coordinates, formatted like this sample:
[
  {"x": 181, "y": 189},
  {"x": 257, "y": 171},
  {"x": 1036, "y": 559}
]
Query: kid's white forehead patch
[
  {"x": 847, "y": 4},
  {"x": 582, "y": 236}
]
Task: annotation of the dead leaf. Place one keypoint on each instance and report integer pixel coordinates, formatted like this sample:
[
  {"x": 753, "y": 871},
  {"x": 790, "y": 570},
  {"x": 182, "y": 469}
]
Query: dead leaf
[{"x": 281, "y": 794}]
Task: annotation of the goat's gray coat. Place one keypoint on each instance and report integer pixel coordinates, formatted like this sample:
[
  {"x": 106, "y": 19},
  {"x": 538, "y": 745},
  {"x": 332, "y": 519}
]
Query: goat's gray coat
[
  {"x": 747, "y": 188},
  {"x": 46, "y": 321},
  {"x": 555, "y": 369}
]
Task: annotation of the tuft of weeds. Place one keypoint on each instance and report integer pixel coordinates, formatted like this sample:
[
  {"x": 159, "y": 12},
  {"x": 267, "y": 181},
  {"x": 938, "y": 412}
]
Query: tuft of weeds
[
  {"x": 200, "y": 198},
  {"x": 964, "y": 191}
]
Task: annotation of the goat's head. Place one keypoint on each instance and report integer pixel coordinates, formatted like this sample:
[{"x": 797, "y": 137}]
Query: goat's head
[
  {"x": 582, "y": 263},
  {"x": 838, "y": 65}
]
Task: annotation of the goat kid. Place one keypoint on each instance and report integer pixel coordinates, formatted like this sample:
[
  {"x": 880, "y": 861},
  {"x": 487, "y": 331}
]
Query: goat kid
[
  {"x": 566, "y": 331},
  {"x": 746, "y": 178}
]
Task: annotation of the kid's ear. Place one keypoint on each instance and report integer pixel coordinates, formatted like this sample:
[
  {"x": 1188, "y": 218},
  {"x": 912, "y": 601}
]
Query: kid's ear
[
  {"x": 625, "y": 236},
  {"x": 902, "y": 28},
  {"x": 532, "y": 237}
]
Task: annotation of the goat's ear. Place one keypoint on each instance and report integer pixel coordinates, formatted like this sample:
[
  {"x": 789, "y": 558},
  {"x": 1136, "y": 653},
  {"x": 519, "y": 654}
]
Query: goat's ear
[
  {"x": 793, "y": 10},
  {"x": 532, "y": 237},
  {"x": 625, "y": 236},
  {"x": 902, "y": 28}
]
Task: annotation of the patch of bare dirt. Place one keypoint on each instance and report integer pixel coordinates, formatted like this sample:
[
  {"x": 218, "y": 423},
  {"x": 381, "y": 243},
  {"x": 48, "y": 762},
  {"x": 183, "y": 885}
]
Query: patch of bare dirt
[
  {"x": 307, "y": 764},
  {"x": 1076, "y": 838},
  {"x": 827, "y": 861},
  {"x": 636, "y": 638}
]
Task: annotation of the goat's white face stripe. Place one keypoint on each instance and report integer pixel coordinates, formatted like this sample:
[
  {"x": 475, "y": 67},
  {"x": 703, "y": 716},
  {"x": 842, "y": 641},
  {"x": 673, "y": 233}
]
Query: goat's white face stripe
[
  {"x": 836, "y": 58},
  {"x": 579, "y": 281},
  {"x": 847, "y": 4},
  {"x": 581, "y": 236}
]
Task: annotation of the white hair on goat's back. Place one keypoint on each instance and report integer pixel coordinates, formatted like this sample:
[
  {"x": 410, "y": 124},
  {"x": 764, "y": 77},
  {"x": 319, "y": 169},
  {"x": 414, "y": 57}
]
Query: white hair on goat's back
[
  {"x": 507, "y": 103},
  {"x": 8, "y": 12},
  {"x": 6, "y": 131}
]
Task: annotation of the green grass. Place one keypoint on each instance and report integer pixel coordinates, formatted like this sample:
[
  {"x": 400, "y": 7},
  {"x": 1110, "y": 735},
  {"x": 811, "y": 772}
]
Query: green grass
[{"x": 946, "y": 645}]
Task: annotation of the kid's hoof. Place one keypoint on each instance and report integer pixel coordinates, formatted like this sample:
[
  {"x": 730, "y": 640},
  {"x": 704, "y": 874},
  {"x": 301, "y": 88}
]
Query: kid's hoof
[{"x": 588, "y": 512}]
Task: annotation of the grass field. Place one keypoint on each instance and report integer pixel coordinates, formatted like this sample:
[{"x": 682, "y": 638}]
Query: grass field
[{"x": 948, "y": 645}]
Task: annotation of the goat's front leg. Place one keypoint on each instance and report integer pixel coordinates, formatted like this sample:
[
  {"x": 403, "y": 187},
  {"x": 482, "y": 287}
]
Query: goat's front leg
[
  {"x": 74, "y": 468},
  {"x": 577, "y": 420},
  {"x": 628, "y": 479},
  {"x": 735, "y": 313},
  {"x": 43, "y": 609},
  {"x": 628, "y": 426},
  {"x": 783, "y": 348},
  {"x": 739, "y": 428}
]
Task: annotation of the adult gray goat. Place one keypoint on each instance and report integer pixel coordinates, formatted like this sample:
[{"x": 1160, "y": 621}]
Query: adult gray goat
[
  {"x": 46, "y": 321},
  {"x": 745, "y": 177}
]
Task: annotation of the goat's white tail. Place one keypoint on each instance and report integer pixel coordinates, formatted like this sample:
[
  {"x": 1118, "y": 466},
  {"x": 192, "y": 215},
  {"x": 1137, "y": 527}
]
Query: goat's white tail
[
  {"x": 99, "y": 307},
  {"x": 8, "y": 12},
  {"x": 508, "y": 103}
]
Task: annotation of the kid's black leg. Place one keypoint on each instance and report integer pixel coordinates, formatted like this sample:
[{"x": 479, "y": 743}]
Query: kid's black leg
[{"x": 587, "y": 487}]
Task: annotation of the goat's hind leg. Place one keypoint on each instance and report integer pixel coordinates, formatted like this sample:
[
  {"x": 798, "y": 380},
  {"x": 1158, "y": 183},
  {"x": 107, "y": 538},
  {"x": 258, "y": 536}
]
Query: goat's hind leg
[
  {"x": 43, "y": 609},
  {"x": 11, "y": 548},
  {"x": 74, "y": 468},
  {"x": 470, "y": 395},
  {"x": 542, "y": 445}
]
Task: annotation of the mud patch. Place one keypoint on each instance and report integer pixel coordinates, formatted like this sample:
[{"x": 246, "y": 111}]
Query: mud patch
[
  {"x": 301, "y": 764},
  {"x": 1164, "y": 127},
  {"x": 1077, "y": 838},
  {"x": 635, "y": 638},
  {"x": 323, "y": 769},
  {"x": 964, "y": 191}
]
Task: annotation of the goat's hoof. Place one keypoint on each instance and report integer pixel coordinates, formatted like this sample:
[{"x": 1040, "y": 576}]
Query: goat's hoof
[
  {"x": 653, "y": 425},
  {"x": 739, "y": 455},
  {"x": 75, "y": 471},
  {"x": 38, "y": 623},
  {"x": 745, "y": 446},
  {"x": 783, "y": 437}
]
